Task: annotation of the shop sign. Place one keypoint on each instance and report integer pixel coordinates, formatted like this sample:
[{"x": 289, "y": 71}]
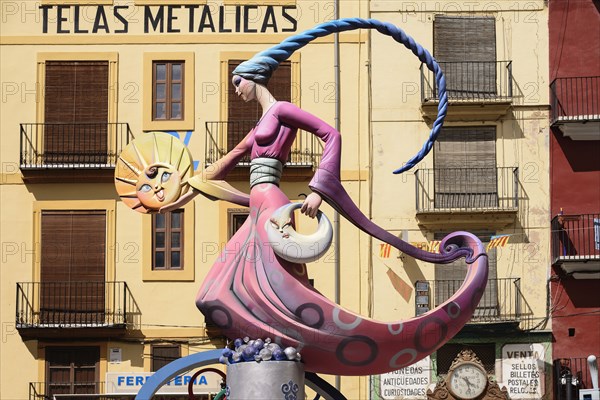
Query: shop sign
[
  {"x": 523, "y": 370},
  {"x": 132, "y": 382},
  {"x": 407, "y": 383},
  {"x": 171, "y": 18}
]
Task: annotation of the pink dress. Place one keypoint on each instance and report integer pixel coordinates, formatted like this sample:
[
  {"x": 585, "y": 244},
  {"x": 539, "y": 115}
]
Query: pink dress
[{"x": 250, "y": 291}]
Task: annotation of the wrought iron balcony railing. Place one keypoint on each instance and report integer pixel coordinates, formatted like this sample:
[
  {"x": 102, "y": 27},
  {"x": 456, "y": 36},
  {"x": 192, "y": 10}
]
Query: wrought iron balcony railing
[
  {"x": 72, "y": 391},
  {"x": 575, "y": 99},
  {"x": 467, "y": 189},
  {"x": 570, "y": 375},
  {"x": 502, "y": 301},
  {"x": 75, "y": 305},
  {"x": 223, "y": 136},
  {"x": 72, "y": 145},
  {"x": 470, "y": 81},
  {"x": 576, "y": 238}
]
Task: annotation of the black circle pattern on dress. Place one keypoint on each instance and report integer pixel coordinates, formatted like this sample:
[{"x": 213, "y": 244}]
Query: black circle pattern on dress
[
  {"x": 210, "y": 312},
  {"x": 374, "y": 350},
  {"x": 442, "y": 328},
  {"x": 317, "y": 309}
]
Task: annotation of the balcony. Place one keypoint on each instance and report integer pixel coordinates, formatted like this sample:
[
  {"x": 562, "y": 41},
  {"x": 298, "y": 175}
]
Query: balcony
[
  {"x": 570, "y": 376},
  {"x": 79, "y": 152},
  {"x": 576, "y": 107},
  {"x": 576, "y": 244},
  {"x": 71, "y": 391},
  {"x": 502, "y": 302},
  {"x": 471, "y": 197},
  {"x": 477, "y": 90},
  {"x": 222, "y": 136},
  {"x": 75, "y": 309}
]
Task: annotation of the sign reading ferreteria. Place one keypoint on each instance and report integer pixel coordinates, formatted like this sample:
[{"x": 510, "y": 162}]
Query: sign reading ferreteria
[
  {"x": 407, "y": 383},
  {"x": 188, "y": 18},
  {"x": 131, "y": 382},
  {"x": 522, "y": 370}
]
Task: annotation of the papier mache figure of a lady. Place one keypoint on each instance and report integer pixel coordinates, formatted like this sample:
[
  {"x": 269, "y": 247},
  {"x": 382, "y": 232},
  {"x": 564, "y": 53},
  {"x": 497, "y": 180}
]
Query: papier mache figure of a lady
[{"x": 254, "y": 289}]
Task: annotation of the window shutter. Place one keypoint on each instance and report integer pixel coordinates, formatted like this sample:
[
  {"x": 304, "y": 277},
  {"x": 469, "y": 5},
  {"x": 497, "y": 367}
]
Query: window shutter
[
  {"x": 163, "y": 355},
  {"x": 465, "y": 173},
  {"x": 76, "y": 107},
  {"x": 73, "y": 266},
  {"x": 466, "y": 49}
]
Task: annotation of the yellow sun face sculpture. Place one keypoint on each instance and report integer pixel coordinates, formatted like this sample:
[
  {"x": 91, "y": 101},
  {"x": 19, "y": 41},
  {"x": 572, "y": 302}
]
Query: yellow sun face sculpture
[{"x": 152, "y": 171}]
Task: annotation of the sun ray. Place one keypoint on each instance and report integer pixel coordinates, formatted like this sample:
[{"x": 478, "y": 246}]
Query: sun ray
[
  {"x": 156, "y": 154},
  {"x": 132, "y": 182},
  {"x": 140, "y": 156},
  {"x": 130, "y": 166},
  {"x": 181, "y": 153},
  {"x": 171, "y": 150},
  {"x": 182, "y": 173}
]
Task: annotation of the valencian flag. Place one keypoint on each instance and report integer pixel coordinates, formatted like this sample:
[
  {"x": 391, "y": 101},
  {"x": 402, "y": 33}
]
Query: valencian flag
[
  {"x": 384, "y": 250},
  {"x": 434, "y": 246},
  {"x": 497, "y": 241}
]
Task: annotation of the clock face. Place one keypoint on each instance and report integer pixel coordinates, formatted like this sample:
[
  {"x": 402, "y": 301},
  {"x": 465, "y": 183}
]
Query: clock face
[{"x": 467, "y": 381}]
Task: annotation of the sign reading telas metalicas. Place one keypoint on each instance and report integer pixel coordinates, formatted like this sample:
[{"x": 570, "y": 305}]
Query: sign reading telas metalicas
[{"x": 172, "y": 18}]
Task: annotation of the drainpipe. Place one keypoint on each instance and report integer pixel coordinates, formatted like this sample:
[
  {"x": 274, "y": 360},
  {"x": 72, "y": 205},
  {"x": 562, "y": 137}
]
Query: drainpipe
[{"x": 336, "y": 215}]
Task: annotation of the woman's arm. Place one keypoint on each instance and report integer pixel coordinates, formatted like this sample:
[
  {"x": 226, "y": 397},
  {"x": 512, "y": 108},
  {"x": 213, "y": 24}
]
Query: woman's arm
[
  {"x": 329, "y": 167},
  {"x": 210, "y": 182}
]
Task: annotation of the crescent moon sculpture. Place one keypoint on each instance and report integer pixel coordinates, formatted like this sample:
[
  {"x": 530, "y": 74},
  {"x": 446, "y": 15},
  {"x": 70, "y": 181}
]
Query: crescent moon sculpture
[{"x": 293, "y": 246}]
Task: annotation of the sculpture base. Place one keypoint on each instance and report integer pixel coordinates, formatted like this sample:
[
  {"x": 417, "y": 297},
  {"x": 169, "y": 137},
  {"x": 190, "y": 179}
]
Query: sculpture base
[{"x": 265, "y": 380}]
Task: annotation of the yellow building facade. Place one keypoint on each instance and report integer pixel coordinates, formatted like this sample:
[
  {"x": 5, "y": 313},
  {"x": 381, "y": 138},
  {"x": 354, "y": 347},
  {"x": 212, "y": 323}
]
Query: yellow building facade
[{"x": 95, "y": 296}]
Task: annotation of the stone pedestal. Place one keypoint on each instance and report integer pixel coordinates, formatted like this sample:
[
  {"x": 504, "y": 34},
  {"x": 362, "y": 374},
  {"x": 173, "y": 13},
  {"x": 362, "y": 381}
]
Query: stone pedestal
[{"x": 265, "y": 380}]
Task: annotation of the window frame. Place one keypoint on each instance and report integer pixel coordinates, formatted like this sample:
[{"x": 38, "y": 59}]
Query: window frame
[
  {"x": 232, "y": 214},
  {"x": 187, "y": 271},
  {"x": 168, "y": 82},
  {"x": 187, "y": 122},
  {"x": 168, "y": 231},
  {"x": 162, "y": 346}
]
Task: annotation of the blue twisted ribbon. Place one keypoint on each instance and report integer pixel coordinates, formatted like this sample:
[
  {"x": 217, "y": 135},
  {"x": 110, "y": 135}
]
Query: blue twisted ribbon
[{"x": 268, "y": 60}]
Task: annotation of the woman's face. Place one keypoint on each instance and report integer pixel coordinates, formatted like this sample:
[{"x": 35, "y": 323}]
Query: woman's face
[{"x": 244, "y": 88}]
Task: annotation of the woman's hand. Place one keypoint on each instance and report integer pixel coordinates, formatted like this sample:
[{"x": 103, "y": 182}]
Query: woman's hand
[
  {"x": 311, "y": 205},
  {"x": 183, "y": 200}
]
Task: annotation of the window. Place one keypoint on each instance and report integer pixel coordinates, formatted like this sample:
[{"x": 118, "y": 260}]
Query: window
[
  {"x": 465, "y": 47},
  {"x": 167, "y": 240},
  {"x": 72, "y": 370},
  {"x": 76, "y": 112},
  {"x": 447, "y": 353},
  {"x": 236, "y": 218},
  {"x": 465, "y": 173},
  {"x": 167, "y": 90},
  {"x": 73, "y": 247},
  {"x": 164, "y": 354}
]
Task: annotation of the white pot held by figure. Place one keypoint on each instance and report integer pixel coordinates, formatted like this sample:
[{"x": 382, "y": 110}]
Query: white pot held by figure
[{"x": 265, "y": 380}]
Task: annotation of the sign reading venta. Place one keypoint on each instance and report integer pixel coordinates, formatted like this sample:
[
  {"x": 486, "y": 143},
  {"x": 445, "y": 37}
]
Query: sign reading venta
[
  {"x": 132, "y": 382},
  {"x": 523, "y": 370}
]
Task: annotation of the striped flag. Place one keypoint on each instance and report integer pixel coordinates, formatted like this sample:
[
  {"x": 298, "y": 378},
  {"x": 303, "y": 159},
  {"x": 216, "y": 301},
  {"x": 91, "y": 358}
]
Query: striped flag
[
  {"x": 497, "y": 241},
  {"x": 434, "y": 246},
  {"x": 420, "y": 245},
  {"x": 384, "y": 250}
]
